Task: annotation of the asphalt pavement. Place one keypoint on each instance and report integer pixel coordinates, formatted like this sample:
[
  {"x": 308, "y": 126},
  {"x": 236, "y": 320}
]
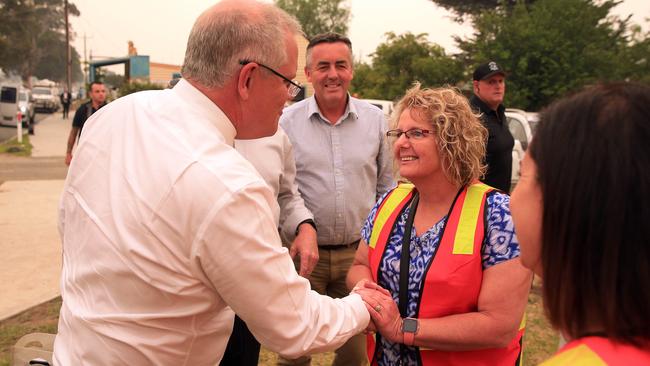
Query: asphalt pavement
[
  {"x": 9, "y": 132},
  {"x": 29, "y": 241}
]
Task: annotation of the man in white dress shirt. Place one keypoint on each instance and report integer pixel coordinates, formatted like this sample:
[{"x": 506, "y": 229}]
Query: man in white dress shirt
[{"x": 167, "y": 230}]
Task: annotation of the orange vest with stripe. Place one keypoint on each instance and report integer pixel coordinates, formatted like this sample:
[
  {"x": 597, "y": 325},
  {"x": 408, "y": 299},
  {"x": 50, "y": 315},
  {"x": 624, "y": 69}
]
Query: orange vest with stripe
[
  {"x": 599, "y": 351},
  {"x": 452, "y": 281}
]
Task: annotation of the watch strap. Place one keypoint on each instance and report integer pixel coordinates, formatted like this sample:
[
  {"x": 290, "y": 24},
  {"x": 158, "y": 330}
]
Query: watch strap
[{"x": 409, "y": 338}]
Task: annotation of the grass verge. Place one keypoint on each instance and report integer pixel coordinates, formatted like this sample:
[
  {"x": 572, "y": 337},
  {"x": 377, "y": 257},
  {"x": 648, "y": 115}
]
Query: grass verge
[
  {"x": 42, "y": 318},
  {"x": 540, "y": 341},
  {"x": 16, "y": 148}
]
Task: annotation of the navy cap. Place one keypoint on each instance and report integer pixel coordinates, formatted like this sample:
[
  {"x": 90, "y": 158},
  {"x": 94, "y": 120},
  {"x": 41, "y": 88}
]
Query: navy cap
[{"x": 484, "y": 71}]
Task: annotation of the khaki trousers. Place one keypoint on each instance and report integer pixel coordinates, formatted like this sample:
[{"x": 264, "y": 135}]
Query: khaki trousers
[{"x": 328, "y": 278}]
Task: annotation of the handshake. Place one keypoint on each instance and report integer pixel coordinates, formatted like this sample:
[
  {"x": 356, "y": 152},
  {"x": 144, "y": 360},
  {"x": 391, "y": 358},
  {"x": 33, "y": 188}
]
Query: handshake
[{"x": 384, "y": 314}]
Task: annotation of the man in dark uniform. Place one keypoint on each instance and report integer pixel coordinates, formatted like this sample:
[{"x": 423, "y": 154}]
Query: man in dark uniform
[
  {"x": 66, "y": 99},
  {"x": 489, "y": 90},
  {"x": 97, "y": 100}
]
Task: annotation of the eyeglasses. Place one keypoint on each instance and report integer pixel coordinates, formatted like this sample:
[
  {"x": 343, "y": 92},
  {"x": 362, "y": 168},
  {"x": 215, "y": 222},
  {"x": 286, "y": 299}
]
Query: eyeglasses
[
  {"x": 292, "y": 87},
  {"x": 414, "y": 133}
]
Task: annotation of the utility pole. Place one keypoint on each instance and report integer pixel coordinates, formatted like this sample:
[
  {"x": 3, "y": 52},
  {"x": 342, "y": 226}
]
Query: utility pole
[
  {"x": 85, "y": 63},
  {"x": 68, "y": 55}
]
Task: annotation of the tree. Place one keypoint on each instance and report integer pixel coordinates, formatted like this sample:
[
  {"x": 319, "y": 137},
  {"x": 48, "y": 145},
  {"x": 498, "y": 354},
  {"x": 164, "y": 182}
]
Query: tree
[
  {"x": 318, "y": 16},
  {"x": 638, "y": 56},
  {"x": 399, "y": 62},
  {"x": 136, "y": 86},
  {"x": 465, "y": 8},
  {"x": 112, "y": 79},
  {"x": 53, "y": 60},
  {"x": 553, "y": 47},
  {"x": 29, "y": 32}
]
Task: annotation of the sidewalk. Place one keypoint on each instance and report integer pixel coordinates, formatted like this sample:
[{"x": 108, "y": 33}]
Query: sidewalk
[
  {"x": 51, "y": 136},
  {"x": 29, "y": 239}
]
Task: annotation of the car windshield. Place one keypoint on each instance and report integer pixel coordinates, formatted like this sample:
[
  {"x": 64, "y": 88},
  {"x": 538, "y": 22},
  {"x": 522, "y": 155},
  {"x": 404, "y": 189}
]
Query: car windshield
[
  {"x": 8, "y": 95},
  {"x": 42, "y": 92}
]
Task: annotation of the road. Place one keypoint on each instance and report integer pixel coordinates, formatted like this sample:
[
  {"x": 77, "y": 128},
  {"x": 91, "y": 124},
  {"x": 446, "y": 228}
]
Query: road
[{"x": 9, "y": 132}]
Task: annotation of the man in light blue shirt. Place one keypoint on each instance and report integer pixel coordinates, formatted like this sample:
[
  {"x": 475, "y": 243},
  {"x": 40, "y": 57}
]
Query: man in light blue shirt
[{"x": 343, "y": 166}]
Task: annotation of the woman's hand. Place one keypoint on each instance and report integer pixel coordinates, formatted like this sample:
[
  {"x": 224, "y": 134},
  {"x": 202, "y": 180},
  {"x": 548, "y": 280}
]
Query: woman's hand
[{"x": 383, "y": 311}]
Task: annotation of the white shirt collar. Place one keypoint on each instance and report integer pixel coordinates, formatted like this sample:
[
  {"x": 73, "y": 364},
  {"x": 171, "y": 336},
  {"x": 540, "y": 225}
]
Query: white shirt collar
[{"x": 204, "y": 106}]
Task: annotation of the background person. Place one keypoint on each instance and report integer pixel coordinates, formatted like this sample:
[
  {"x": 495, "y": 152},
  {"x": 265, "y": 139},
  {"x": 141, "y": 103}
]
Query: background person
[
  {"x": 97, "y": 100},
  {"x": 66, "y": 99},
  {"x": 489, "y": 90},
  {"x": 343, "y": 166},
  {"x": 272, "y": 157},
  {"x": 462, "y": 287},
  {"x": 581, "y": 212},
  {"x": 168, "y": 231}
]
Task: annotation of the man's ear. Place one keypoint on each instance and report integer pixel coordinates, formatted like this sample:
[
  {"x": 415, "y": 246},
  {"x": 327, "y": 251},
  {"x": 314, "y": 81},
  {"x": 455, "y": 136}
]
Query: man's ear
[
  {"x": 245, "y": 81},
  {"x": 475, "y": 83},
  {"x": 308, "y": 74}
]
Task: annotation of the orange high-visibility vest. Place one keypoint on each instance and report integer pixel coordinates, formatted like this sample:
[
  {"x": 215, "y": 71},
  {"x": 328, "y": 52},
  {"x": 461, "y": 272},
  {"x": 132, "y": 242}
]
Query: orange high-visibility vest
[
  {"x": 599, "y": 351},
  {"x": 452, "y": 282}
]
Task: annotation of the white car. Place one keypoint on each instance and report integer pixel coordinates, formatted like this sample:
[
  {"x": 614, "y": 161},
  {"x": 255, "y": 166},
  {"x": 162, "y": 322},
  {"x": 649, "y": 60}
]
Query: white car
[
  {"x": 385, "y": 105},
  {"x": 46, "y": 98},
  {"x": 519, "y": 123}
]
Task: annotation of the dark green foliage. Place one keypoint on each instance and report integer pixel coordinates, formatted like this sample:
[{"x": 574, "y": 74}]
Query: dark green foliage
[
  {"x": 318, "y": 16},
  {"x": 136, "y": 86},
  {"x": 399, "y": 62},
  {"x": 32, "y": 38},
  {"x": 474, "y": 7},
  {"x": 556, "y": 46}
]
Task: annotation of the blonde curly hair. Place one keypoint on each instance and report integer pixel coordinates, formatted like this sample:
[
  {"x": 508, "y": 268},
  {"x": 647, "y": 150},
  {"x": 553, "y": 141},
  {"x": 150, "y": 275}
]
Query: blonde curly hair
[{"x": 460, "y": 134}]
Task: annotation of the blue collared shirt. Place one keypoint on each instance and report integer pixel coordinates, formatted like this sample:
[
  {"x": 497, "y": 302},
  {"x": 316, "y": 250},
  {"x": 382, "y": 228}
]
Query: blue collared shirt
[{"x": 342, "y": 168}]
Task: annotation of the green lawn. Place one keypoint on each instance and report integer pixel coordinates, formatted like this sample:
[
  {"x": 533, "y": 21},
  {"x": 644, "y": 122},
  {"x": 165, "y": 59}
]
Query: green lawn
[{"x": 539, "y": 343}]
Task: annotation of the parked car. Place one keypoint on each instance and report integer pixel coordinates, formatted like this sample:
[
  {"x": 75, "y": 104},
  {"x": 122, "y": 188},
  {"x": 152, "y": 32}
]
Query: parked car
[
  {"x": 46, "y": 98},
  {"x": 531, "y": 117},
  {"x": 519, "y": 125},
  {"x": 16, "y": 103},
  {"x": 385, "y": 105}
]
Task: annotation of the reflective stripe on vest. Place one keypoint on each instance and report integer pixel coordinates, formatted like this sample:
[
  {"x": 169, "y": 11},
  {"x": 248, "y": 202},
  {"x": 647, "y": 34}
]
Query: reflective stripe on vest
[
  {"x": 388, "y": 212},
  {"x": 455, "y": 270},
  {"x": 600, "y": 351}
]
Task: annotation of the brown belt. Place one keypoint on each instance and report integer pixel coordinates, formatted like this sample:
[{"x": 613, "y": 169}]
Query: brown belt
[{"x": 354, "y": 245}]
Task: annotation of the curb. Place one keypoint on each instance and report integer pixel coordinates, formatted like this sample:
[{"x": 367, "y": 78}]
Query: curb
[{"x": 22, "y": 310}]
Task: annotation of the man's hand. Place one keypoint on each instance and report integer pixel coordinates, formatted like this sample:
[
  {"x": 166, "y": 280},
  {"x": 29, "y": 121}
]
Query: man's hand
[
  {"x": 68, "y": 159},
  {"x": 306, "y": 246}
]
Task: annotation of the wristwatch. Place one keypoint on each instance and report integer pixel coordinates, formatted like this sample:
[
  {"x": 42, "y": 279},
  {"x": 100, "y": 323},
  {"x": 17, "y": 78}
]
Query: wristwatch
[{"x": 410, "y": 327}]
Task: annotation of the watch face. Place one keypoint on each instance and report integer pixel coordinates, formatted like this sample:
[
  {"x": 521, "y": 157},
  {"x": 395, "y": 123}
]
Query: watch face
[{"x": 410, "y": 325}]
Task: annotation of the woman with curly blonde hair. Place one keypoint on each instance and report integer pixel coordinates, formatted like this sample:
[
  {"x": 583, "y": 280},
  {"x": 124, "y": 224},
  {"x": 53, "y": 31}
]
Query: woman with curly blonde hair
[{"x": 458, "y": 296}]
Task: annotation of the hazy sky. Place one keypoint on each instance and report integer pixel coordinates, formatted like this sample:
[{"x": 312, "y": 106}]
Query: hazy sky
[{"x": 159, "y": 28}]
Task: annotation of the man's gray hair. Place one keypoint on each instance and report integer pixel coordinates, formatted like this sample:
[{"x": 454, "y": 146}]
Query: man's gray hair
[{"x": 220, "y": 39}]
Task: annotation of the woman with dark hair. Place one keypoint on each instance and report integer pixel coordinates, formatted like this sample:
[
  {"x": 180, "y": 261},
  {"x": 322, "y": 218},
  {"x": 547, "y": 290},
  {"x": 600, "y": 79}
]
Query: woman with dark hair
[
  {"x": 455, "y": 288},
  {"x": 582, "y": 215}
]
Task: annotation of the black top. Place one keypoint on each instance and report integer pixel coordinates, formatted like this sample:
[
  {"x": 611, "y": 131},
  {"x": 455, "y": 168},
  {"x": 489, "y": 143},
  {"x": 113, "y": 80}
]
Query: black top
[
  {"x": 499, "y": 145},
  {"x": 83, "y": 113},
  {"x": 65, "y": 98}
]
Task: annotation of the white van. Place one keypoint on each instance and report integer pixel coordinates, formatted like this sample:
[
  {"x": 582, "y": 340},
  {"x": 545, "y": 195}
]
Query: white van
[
  {"x": 384, "y": 105},
  {"x": 519, "y": 123},
  {"x": 16, "y": 103}
]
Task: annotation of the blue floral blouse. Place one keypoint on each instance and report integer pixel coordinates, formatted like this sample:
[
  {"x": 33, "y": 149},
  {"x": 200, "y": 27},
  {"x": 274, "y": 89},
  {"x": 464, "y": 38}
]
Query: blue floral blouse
[{"x": 500, "y": 244}]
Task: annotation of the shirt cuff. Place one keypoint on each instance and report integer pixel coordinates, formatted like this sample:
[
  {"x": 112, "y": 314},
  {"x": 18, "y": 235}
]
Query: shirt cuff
[
  {"x": 359, "y": 308},
  {"x": 307, "y": 221}
]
